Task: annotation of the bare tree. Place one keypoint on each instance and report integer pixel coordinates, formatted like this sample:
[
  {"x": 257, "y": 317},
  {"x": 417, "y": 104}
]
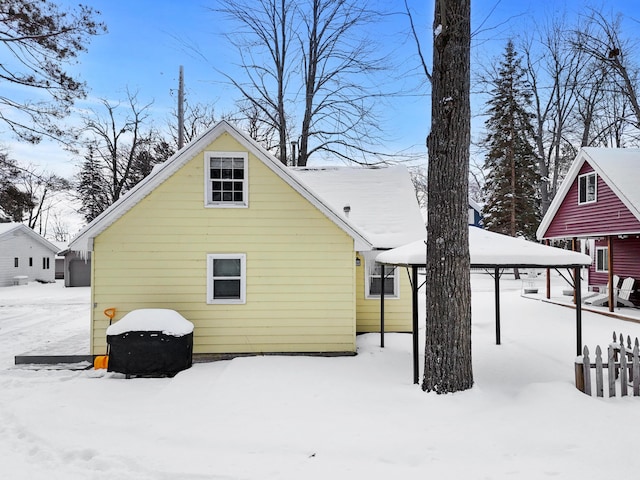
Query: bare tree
[
  {"x": 115, "y": 140},
  {"x": 554, "y": 70},
  {"x": 339, "y": 117},
  {"x": 311, "y": 60},
  {"x": 263, "y": 42},
  {"x": 590, "y": 100},
  {"x": 419, "y": 179},
  {"x": 44, "y": 189},
  {"x": 59, "y": 228},
  {"x": 601, "y": 38},
  {"x": 448, "y": 366},
  {"x": 198, "y": 117},
  {"x": 38, "y": 40},
  {"x": 257, "y": 127}
]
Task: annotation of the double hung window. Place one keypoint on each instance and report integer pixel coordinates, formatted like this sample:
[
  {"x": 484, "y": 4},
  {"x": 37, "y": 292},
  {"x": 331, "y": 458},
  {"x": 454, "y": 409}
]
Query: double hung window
[{"x": 226, "y": 278}]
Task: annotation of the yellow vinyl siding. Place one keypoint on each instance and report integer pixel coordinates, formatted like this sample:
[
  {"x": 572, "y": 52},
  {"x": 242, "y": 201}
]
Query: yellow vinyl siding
[
  {"x": 397, "y": 311},
  {"x": 300, "y": 266}
]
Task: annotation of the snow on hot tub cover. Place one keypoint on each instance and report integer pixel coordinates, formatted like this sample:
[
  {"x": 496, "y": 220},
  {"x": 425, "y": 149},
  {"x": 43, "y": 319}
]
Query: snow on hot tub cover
[
  {"x": 162, "y": 320},
  {"x": 489, "y": 248}
]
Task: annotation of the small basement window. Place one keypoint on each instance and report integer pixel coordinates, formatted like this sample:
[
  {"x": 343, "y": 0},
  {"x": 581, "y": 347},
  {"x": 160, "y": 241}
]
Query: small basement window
[
  {"x": 602, "y": 259},
  {"x": 226, "y": 278},
  {"x": 587, "y": 190},
  {"x": 226, "y": 179}
]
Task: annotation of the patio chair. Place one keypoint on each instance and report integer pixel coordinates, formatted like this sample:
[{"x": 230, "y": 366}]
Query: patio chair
[
  {"x": 603, "y": 290},
  {"x": 621, "y": 295},
  {"x": 625, "y": 292}
]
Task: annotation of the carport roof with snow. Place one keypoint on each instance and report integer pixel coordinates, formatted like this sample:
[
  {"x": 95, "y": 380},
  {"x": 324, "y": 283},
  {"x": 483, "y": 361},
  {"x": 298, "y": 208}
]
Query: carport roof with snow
[{"x": 489, "y": 250}]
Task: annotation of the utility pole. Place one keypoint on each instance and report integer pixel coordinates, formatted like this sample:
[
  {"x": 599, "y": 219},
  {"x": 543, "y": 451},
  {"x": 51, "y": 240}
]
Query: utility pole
[{"x": 181, "y": 109}]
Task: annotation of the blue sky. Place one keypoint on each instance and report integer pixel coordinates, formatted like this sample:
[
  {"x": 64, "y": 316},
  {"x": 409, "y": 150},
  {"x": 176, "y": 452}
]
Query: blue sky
[{"x": 149, "y": 39}]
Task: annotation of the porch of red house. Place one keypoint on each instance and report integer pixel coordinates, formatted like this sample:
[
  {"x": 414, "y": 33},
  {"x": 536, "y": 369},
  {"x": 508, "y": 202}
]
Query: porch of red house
[
  {"x": 560, "y": 292},
  {"x": 614, "y": 255}
]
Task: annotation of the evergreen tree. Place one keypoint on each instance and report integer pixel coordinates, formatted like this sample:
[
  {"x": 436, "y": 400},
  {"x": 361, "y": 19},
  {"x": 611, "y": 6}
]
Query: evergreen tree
[
  {"x": 14, "y": 203},
  {"x": 92, "y": 188},
  {"x": 512, "y": 204}
]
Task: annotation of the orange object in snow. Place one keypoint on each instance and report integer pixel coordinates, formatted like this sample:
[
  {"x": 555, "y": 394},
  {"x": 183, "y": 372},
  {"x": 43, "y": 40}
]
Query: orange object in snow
[{"x": 102, "y": 361}]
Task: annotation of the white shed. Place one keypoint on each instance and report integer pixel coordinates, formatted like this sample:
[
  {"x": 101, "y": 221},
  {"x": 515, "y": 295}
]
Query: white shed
[{"x": 25, "y": 256}]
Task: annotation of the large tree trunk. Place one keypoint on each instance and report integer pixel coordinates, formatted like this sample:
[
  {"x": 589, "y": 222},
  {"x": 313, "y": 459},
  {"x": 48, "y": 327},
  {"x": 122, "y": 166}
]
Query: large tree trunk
[{"x": 448, "y": 331}]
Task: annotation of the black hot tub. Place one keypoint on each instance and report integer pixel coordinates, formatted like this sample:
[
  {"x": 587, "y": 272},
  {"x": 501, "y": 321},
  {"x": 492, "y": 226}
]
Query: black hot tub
[{"x": 150, "y": 342}]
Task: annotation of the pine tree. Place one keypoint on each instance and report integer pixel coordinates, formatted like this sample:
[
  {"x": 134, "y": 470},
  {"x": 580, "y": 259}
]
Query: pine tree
[
  {"x": 91, "y": 188},
  {"x": 512, "y": 204}
]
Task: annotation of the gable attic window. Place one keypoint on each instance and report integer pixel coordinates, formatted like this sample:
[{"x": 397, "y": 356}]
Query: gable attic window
[
  {"x": 226, "y": 179},
  {"x": 602, "y": 259},
  {"x": 226, "y": 278},
  {"x": 374, "y": 272},
  {"x": 587, "y": 191}
]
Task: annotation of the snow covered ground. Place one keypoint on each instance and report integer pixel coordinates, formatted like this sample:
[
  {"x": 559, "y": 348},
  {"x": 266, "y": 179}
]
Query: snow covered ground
[{"x": 313, "y": 418}]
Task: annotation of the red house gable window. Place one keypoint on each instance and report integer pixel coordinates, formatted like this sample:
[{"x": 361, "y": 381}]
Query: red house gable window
[{"x": 587, "y": 191}]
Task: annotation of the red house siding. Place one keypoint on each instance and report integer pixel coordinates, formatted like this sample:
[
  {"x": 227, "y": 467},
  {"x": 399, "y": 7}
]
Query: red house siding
[
  {"x": 607, "y": 215},
  {"x": 626, "y": 262}
]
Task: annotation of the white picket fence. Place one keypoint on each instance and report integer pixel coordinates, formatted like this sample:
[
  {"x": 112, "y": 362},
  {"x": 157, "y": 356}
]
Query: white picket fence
[{"x": 622, "y": 367}]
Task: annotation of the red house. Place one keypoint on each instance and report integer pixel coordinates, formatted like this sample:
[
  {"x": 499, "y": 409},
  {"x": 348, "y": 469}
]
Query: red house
[{"x": 599, "y": 203}]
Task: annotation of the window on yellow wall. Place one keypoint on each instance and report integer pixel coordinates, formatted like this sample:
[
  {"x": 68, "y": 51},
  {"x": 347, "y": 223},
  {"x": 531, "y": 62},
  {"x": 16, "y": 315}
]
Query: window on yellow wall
[
  {"x": 226, "y": 179},
  {"x": 377, "y": 275},
  {"x": 226, "y": 278}
]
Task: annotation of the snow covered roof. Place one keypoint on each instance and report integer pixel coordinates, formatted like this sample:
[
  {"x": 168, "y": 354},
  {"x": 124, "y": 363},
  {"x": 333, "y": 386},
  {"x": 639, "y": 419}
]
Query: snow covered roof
[
  {"x": 83, "y": 242},
  {"x": 8, "y": 228},
  {"x": 475, "y": 205},
  {"x": 490, "y": 249},
  {"x": 380, "y": 202},
  {"x": 162, "y": 320},
  {"x": 619, "y": 168}
]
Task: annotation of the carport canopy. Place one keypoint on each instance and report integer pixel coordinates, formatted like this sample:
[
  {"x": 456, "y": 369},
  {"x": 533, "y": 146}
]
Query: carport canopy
[{"x": 494, "y": 252}]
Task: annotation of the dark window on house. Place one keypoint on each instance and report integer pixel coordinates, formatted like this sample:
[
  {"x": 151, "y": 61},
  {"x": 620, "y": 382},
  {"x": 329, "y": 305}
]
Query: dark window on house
[
  {"x": 45, "y": 263},
  {"x": 16, "y": 262},
  {"x": 602, "y": 259},
  {"x": 587, "y": 188},
  {"x": 226, "y": 182},
  {"x": 31, "y": 261}
]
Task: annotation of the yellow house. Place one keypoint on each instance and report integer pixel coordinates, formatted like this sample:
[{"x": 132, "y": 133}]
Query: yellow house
[{"x": 259, "y": 257}]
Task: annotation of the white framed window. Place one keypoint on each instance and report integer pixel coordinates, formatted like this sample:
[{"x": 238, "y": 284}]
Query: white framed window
[
  {"x": 226, "y": 278},
  {"x": 377, "y": 275},
  {"x": 602, "y": 259},
  {"x": 226, "y": 179},
  {"x": 587, "y": 188}
]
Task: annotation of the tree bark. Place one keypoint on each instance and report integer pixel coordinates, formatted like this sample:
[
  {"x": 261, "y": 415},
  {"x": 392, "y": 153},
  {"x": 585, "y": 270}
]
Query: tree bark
[{"x": 448, "y": 330}]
